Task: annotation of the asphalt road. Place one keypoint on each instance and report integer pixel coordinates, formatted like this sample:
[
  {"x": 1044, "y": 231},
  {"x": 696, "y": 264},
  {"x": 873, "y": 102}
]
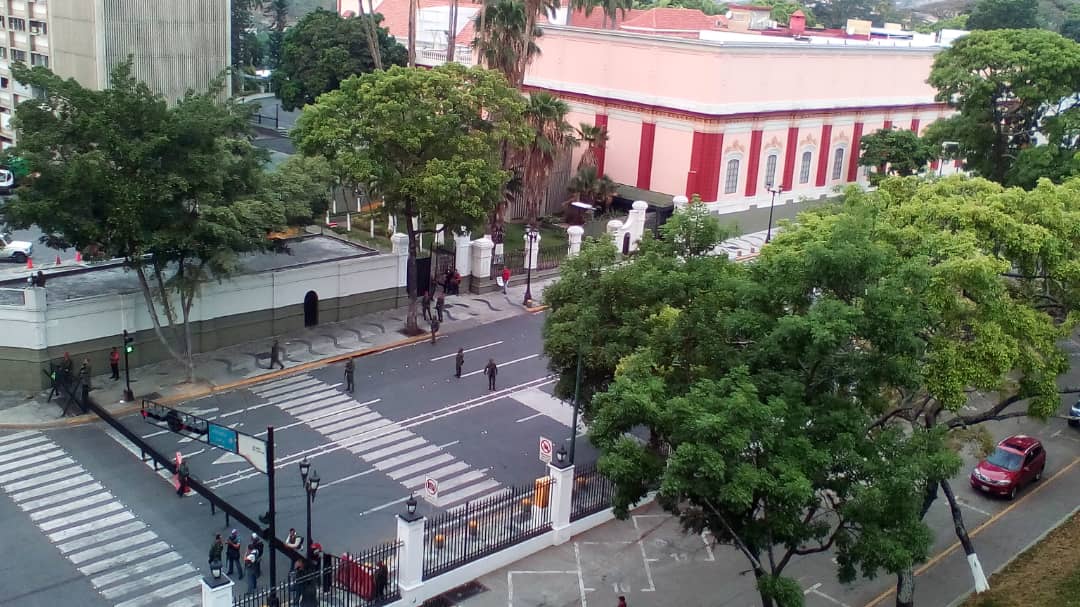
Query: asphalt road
[{"x": 408, "y": 419}]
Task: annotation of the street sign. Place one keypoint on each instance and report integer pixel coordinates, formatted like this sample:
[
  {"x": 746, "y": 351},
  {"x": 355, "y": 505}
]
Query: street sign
[
  {"x": 431, "y": 491},
  {"x": 545, "y": 450},
  {"x": 253, "y": 450},
  {"x": 222, "y": 437}
]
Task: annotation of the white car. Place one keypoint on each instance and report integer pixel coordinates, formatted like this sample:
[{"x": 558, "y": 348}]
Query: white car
[
  {"x": 7, "y": 182},
  {"x": 15, "y": 250}
]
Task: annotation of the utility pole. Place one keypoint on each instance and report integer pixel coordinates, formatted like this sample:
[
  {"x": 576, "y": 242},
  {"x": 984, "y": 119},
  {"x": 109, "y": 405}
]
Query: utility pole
[
  {"x": 129, "y": 347},
  {"x": 272, "y": 530},
  {"x": 577, "y": 405}
]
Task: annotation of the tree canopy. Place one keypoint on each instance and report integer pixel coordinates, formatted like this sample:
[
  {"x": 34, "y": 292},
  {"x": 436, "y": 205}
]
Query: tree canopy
[
  {"x": 1009, "y": 86},
  {"x": 428, "y": 140},
  {"x": 174, "y": 191},
  {"x": 1004, "y": 14},
  {"x": 324, "y": 49},
  {"x": 894, "y": 152}
]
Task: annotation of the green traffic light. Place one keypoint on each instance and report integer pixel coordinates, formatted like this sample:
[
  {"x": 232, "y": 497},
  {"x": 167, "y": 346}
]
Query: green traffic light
[{"x": 129, "y": 348}]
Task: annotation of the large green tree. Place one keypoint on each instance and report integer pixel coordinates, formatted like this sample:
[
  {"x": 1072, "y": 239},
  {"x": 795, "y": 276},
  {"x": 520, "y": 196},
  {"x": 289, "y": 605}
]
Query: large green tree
[
  {"x": 324, "y": 49},
  {"x": 278, "y": 13},
  {"x": 428, "y": 140},
  {"x": 550, "y": 135},
  {"x": 171, "y": 190},
  {"x": 1004, "y": 14},
  {"x": 894, "y": 152},
  {"x": 244, "y": 43},
  {"x": 1004, "y": 84}
]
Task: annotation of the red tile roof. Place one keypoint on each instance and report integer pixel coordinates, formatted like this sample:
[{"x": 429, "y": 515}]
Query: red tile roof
[
  {"x": 673, "y": 20},
  {"x": 596, "y": 19},
  {"x": 750, "y": 7}
]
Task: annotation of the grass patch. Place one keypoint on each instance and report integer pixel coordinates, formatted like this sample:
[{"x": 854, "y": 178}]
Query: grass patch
[
  {"x": 551, "y": 236},
  {"x": 1046, "y": 575}
]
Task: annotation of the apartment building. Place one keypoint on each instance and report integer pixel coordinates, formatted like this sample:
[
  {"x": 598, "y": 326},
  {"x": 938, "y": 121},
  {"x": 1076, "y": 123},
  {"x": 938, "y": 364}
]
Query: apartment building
[{"x": 174, "y": 46}]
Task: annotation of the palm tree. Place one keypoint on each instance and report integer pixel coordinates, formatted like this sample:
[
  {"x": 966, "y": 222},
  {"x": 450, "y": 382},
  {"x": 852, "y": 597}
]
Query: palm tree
[
  {"x": 551, "y": 133},
  {"x": 451, "y": 32},
  {"x": 372, "y": 31},
  {"x": 595, "y": 137},
  {"x": 611, "y": 9},
  {"x": 413, "y": 7},
  {"x": 501, "y": 41},
  {"x": 590, "y": 188}
]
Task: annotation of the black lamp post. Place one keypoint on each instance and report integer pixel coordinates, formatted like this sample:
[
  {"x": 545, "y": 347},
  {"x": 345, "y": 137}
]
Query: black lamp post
[
  {"x": 774, "y": 191},
  {"x": 560, "y": 457},
  {"x": 410, "y": 510},
  {"x": 311, "y": 486},
  {"x": 577, "y": 399},
  {"x": 530, "y": 256}
]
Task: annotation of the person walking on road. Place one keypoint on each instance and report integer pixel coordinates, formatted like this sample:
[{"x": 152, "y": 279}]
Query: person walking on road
[
  {"x": 459, "y": 362},
  {"x": 232, "y": 553},
  {"x": 183, "y": 477},
  {"x": 491, "y": 370},
  {"x": 275, "y": 355},
  {"x": 434, "y": 329},
  {"x": 425, "y": 303},
  {"x": 216, "y": 549},
  {"x": 350, "y": 371},
  {"x": 622, "y": 602},
  {"x": 506, "y": 278},
  {"x": 114, "y": 363},
  {"x": 440, "y": 304}
]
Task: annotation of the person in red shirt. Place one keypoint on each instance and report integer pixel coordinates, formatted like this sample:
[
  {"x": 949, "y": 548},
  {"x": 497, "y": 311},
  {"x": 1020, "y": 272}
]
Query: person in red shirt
[
  {"x": 114, "y": 363},
  {"x": 506, "y": 278}
]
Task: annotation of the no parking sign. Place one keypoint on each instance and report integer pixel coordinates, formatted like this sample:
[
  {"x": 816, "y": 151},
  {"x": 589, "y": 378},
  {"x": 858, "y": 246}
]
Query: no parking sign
[
  {"x": 431, "y": 491},
  {"x": 545, "y": 450}
]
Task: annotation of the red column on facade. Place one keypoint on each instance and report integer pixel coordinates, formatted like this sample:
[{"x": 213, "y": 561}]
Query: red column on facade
[
  {"x": 887, "y": 125},
  {"x": 789, "y": 158},
  {"x": 856, "y": 150},
  {"x": 645, "y": 155},
  {"x": 696, "y": 150},
  {"x": 823, "y": 155},
  {"x": 710, "y": 165},
  {"x": 755, "y": 158},
  {"x": 915, "y": 125},
  {"x": 601, "y": 121}
]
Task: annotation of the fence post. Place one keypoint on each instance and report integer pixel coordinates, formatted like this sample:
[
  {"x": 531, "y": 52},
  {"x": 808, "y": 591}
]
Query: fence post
[
  {"x": 410, "y": 532},
  {"x": 217, "y": 592},
  {"x": 562, "y": 492},
  {"x": 574, "y": 234}
]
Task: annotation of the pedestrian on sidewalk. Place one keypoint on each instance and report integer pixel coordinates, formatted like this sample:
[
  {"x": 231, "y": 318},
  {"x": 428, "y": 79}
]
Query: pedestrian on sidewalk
[
  {"x": 440, "y": 303},
  {"x": 350, "y": 371},
  {"x": 506, "y": 278},
  {"x": 183, "y": 477},
  {"x": 425, "y": 303},
  {"x": 622, "y": 602},
  {"x": 252, "y": 562},
  {"x": 434, "y": 329},
  {"x": 491, "y": 370},
  {"x": 459, "y": 362},
  {"x": 232, "y": 553},
  {"x": 275, "y": 355},
  {"x": 295, "y": 583},
  {"x": 66, "y": 366},
  {"x": 294, "y": 541},
  {"x": 382, "y": 576},
  {"x": 114, "y": 363},
  {"x": 216, "y": 548},
  {"x": 84, "y": 373},
  {"x": 256, "y": 544}
]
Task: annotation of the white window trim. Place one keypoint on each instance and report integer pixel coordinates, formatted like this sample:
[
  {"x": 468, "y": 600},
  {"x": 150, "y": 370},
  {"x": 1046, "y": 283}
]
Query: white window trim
[
  {"x": 778, "y": 177},
  {"x": 738, "y": 174},
  {"x": 843, "y": 161},
  {"x": 798, "y": 167}
]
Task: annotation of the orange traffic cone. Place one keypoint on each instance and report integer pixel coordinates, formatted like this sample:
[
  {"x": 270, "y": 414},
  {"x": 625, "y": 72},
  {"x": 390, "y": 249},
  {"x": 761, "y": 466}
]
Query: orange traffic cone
[
  {"x": 78, "y": 257},
  {"x": 29, "y": 263},
  {"x": 57, "y": 260}
]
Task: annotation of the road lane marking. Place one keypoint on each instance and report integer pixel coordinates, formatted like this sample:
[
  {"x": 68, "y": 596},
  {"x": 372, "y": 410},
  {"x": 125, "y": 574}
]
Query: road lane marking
[
  {"x": 108, "y": 548},
  {"x": 502, "y": 364},
  {"x": 53, "y": 453},
  {"x": 63, "y": 521},
  {"x": 533, "y": 416},
  {"x": 470, "y": 490},
  {"x": 22, "y": 444},
  {"x": 441, "y": 474},
  {"x": 424, "y": 465},
  {"x": 965, "y": 504},
  {"x": 49, "y": 478},
  {"x": 19, "y": 435},
  {"x": 411, "y": 443},
  {"x": 952, "y": 548},
  {"x": 69, "y": 506},
  {"x": 467, "y": 350}
]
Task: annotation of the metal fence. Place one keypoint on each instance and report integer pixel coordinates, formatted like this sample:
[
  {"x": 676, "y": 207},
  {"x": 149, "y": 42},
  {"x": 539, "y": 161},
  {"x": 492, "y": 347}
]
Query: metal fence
[
  {"x": 365, "y": 579},
  {"x": 592, "y": 492},
  {"x": 546, "y": 259},
  {"x": 483, "y": 527}
]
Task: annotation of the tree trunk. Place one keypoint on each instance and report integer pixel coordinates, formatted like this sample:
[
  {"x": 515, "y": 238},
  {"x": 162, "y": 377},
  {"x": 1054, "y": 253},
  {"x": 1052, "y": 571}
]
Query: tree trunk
[
  {"x": 412, "y": 36},
  {"x": 411, "y": 326},
  {"x": 905, "y": 580},
  {"x": 152, "y": 310},
  {"x": 766, "y": 601},
  {"x": 372, "y": 35},
  {"x": 981, "y": 584},
  {"x": 188, "y": 356},
  {"x": 451, "y": 33}
]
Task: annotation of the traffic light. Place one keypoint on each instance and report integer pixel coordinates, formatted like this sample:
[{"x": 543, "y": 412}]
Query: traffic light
[{"x": 129, "y": 343}]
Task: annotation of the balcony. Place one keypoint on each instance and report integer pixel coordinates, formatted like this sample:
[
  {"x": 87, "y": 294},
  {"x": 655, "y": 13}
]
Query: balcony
[{"x": 428, "y": 53}]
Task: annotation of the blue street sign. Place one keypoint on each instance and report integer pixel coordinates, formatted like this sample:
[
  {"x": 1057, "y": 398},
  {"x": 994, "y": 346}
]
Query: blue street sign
[{"x": 223, "y": 437}]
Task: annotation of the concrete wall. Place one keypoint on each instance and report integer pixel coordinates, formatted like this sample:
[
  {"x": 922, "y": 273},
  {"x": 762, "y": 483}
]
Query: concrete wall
[
  {"x": 234, "y": 311},
  {"x": 75, "y": 47}
]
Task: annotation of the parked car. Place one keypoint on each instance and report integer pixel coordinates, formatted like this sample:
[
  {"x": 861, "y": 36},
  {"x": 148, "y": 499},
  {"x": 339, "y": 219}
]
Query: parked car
[
  {"x": 1017, "y": 461},
  {"x": 1074, "y": 415},
  {"x": 7, "y": 182},
  {"x": 15, "y": 250}
]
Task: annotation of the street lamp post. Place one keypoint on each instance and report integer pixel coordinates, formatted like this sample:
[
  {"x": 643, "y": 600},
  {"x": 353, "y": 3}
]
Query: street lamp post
[
  {"x": 774, "y": 191},
  {"x": 577, "y": 405},
  {"x": 311, "y": 486},
  {"x": 530, "y": 256}
]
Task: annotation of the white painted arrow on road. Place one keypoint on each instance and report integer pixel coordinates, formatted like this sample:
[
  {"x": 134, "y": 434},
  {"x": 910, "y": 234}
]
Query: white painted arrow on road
[{"x": 230, "y": 458}]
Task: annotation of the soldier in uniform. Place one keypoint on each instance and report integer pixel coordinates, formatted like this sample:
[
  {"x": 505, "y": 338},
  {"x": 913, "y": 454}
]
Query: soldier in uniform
[
  {"x": 459, "y": 361},
  {"x": 350, "y": 370}
]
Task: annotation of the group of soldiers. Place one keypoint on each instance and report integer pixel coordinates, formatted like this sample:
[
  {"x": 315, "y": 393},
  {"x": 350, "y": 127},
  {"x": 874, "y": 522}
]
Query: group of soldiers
[{"x": 490, "y": 370}]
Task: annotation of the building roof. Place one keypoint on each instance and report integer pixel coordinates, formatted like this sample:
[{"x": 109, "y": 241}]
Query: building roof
[
  {"x": 396, "y": 18},
  {"x": 596, "y": 19},
  {"x": 749, "y": 7},
  {"x": 667, "y": 19}
]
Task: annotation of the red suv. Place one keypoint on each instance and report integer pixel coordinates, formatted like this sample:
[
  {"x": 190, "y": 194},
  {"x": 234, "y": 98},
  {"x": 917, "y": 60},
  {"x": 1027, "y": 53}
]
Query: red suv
[{"x": 1017, "y": 461}]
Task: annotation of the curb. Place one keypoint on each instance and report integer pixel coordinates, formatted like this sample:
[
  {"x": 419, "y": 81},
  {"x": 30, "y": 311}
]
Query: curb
[
  {"x": 536, "y": 309},
  {"x": 81, "y": 420}
]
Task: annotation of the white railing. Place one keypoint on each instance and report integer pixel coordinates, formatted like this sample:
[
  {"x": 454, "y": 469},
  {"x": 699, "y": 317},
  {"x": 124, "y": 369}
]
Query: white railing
[{"x": 435, "y": 54}]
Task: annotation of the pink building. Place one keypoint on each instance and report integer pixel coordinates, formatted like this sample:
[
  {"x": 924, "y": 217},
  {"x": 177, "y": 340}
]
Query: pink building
[{"x": 722, "y": 108}]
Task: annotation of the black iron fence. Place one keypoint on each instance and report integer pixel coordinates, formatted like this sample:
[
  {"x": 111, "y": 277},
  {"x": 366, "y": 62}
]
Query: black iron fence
[
  {"x": 546, "y": 259},
  {"x": 365, "y": 579},
  {"x": 592, "y": 492},
  {"x": 483, "y": 527}
]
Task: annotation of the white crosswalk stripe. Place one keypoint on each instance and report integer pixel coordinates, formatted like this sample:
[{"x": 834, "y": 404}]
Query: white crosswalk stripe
[
  {"x": 391, "y": 449},
  {"x": 123, "y": 558}
]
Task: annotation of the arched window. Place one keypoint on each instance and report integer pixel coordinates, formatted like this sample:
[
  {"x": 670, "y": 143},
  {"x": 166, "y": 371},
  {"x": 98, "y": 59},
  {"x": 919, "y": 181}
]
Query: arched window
[
  {"x": 731, "y": 178},
  {"x": 770, "y": 169},
  {"x": 804, "y": 169},
  {"x": 838, "y": 163}
]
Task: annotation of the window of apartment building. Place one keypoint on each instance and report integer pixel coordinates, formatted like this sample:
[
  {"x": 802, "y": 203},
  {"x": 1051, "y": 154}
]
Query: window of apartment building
[
  {"x": 1, "y": 21},
  {"x": 838, "y": 163},
  {"x": 3, "y": 52},
  {"x": 39, "y": 27},
  {"x": 16, "y": 24},
  {"x": 4, "y": 82},
  {"x": 770, "y": 170},
  {"x": 731, "y": 179},
  {"x": 804, "y": 168},
  {"x": 17, "y": 55},
  {"x": 36, "y": 59}
]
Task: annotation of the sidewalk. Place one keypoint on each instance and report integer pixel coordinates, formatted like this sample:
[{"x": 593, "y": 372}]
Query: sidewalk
[{"x": 248, "y": 362}]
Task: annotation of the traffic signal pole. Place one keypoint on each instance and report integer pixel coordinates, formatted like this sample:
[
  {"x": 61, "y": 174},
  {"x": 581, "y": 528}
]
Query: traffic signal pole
[
  {"x": 129, "y": 341},
  {"x": 273, "y": 510}
]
